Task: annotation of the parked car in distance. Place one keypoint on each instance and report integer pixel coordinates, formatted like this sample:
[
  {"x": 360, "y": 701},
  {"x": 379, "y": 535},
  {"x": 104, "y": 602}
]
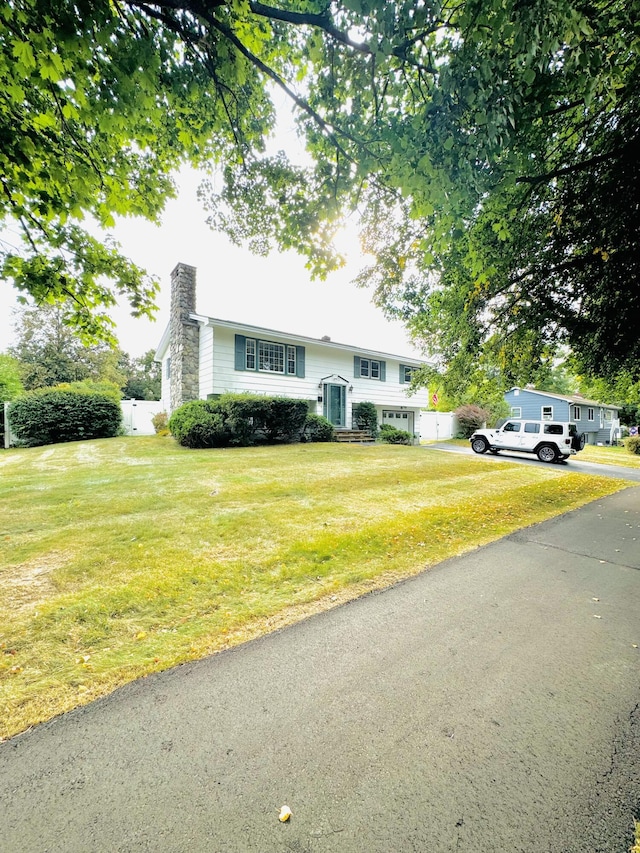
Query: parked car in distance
[{"x": 551, "y": 441}]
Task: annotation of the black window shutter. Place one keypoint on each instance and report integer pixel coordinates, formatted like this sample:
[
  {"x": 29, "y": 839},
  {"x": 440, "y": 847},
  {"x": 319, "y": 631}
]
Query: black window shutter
[
  {"x": 383, "y": 371},
  {"x": 300, "y": 362},
  {"x": 356, "y": 365}
]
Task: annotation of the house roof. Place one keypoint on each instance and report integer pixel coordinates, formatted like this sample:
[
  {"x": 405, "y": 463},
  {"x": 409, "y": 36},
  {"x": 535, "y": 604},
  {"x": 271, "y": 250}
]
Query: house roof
[
  {"x": 258, "y": 331},
  {"x": 572, "y": 399}
]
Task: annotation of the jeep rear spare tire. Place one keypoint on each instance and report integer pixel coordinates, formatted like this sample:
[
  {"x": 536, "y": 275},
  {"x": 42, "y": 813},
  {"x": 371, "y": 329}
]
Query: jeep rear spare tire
[{"x": 578, "y": 441}]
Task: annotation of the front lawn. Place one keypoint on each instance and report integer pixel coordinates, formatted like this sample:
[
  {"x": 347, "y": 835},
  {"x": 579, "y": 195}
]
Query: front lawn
[
  {"x": 609, "y": 456},
  {"x": 129, "y": 555}
]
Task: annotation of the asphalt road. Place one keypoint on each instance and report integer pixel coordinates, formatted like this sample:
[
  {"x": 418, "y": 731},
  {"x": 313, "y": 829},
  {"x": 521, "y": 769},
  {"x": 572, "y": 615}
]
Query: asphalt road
[
  {"x": 490, "y": 704},
  {"x": 575, "y": 463}
]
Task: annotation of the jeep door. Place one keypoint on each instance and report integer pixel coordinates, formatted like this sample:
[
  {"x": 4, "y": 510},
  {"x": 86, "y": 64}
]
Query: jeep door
[
  {"x": 509, "y": 436},
  {"x": 530, "y": 435}
]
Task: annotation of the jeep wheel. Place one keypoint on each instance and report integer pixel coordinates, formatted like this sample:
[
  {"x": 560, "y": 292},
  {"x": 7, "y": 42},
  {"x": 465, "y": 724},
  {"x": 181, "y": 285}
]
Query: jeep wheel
[
  {"x": 547, "y": 453},
  {"x": 479, "y": 445}
]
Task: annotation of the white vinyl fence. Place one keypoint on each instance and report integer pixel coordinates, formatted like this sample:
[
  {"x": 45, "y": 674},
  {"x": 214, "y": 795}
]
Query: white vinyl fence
[
  {"x": 137, "y": 415},
  {"x": 437, "y": 426}
]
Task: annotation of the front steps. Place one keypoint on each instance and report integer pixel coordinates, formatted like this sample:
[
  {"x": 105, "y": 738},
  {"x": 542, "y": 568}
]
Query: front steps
[{"x": 354, "y": 436}]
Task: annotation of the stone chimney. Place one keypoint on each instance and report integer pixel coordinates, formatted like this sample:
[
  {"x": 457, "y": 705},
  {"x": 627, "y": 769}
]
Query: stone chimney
[{"x": 184, "y": 337}]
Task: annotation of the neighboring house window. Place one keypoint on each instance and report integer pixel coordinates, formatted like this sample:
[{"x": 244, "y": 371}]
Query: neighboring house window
[
  {"x": 269, "y": 357},
  {"x": 516, "y": 411},
  {"x": 368, "y": 368},
  {"x": 590, "y": 415},
  {"x": 577, "y": 414},
  {"x": 406, "y": 373},
  {"x": 547, "y": 413},
  {"x": 608, "y": 414},
  {"x": 167, "y": 369}
]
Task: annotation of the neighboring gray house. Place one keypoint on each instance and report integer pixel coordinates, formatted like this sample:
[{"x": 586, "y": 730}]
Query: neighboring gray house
[
  {"x": 202, "y": 357},
  {"x": 598, "y": 421}
]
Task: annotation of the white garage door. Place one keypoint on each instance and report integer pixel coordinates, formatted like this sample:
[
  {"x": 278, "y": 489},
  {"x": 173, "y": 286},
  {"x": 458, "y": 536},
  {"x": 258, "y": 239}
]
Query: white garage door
[{"x": 400, "y": 420}]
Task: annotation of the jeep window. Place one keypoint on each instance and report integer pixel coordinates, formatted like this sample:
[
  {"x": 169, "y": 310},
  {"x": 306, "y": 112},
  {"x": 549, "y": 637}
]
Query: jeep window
[
  {"x": 547, "y": 413},
  {"x": 511, "y": 426},
  {"x": 553, "y": 429},
  {"x": 532, "y": 427}
]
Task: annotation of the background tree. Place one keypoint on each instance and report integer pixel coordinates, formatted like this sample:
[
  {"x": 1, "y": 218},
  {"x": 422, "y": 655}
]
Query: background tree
[
  {"x": 10, "y": 382},
  {"x": 476, "y": 140},
  {"x": 143, "y": 377},
  {"x": 49, "y": 353}
]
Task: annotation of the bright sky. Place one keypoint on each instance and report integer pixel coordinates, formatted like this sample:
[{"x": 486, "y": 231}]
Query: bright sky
[{"x": 232, "y": 284}]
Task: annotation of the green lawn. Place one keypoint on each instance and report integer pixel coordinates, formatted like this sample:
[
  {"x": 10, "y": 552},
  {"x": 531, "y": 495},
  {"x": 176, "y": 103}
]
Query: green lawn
[
  {"x": 129, "y": 555},
  {"x": 609, "y": 456}
]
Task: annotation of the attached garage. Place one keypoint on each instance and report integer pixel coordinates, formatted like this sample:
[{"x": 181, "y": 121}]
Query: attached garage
[{"x": 399, "y": 419}]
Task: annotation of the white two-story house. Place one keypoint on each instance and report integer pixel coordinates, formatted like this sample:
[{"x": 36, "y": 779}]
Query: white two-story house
[{"x": 203, "y": 357}]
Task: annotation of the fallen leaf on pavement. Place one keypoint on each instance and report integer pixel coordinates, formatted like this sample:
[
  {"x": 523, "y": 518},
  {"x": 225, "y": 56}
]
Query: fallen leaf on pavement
[{"x": 285, "y": 814}]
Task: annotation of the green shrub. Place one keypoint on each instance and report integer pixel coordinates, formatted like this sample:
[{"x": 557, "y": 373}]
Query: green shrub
[
  {"x": 633, "y": 444},
  {"x": 197, "y": 424},
  {"x": 365, "y": 417},
  {"x": 52, "y": 415},
  {"x": 318, "y": 428},
  {"x": 160, "y": 423},
  {"x": 285, "y": 419},
  {"x": 392, "y": 435},
  {"x": 238, "y": 420},
  {"x": 470, "y": 418}
]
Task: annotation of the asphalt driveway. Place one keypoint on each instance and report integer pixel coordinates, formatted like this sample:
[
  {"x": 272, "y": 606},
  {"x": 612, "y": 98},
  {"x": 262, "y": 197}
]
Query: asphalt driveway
[
  {"x": 491, "y": 704},
  {"x": 619, "y": 472}
]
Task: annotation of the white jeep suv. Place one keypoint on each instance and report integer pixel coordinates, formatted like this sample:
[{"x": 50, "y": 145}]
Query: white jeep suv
[{"x": 551, "y": 441}]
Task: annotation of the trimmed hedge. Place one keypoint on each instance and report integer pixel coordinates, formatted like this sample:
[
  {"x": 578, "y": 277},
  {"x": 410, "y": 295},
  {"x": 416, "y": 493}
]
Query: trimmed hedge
[
  {"x": 318, "y": 428},
  {"x": 392, "y": 435},
  {"x": 52, "y": 415},
  {"x": 238, "y": 420},
  {"x": 633, "y": 444}
]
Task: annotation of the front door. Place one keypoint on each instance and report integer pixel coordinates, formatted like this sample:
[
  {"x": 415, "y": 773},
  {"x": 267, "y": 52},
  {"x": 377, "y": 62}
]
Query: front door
[{"x": 335, "y": 404}]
